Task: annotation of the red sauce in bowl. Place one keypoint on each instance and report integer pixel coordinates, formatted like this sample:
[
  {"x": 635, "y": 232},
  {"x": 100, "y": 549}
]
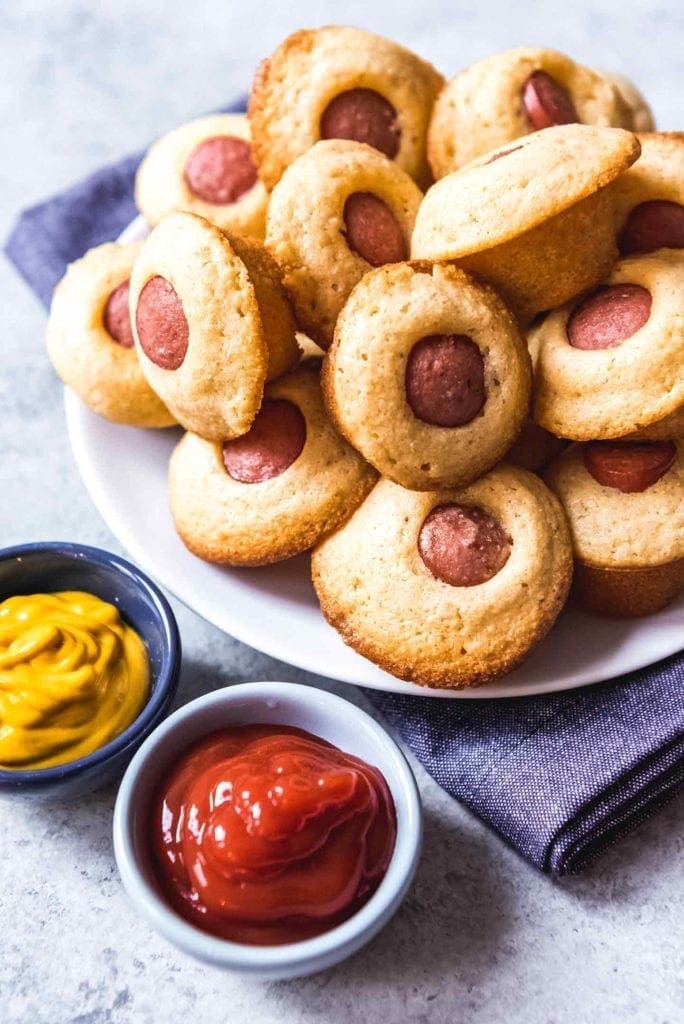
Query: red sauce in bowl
[{"x": 266, "y": 834}]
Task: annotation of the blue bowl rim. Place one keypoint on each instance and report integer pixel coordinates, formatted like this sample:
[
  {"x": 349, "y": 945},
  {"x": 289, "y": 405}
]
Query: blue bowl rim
[{"x": 165, "y": 681}]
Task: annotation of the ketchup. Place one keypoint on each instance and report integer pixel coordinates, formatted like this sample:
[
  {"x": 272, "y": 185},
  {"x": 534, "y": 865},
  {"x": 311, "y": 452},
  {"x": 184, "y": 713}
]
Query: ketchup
[{"x": 266, "y": 834}]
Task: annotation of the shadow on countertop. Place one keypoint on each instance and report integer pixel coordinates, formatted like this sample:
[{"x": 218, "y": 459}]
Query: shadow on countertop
[{"x": 433, "y": 934}]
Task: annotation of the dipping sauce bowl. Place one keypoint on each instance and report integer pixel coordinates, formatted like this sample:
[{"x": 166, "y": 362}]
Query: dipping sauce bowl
[{"x": 273, "y": 703}]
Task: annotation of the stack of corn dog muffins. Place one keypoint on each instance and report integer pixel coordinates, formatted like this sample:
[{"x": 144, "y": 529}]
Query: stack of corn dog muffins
[{"x": 432, "y": 331}]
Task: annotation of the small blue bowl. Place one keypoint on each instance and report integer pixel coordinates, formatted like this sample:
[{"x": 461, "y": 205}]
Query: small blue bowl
[
  {"x": 325, "y": 715},
  {"x": 51, "y": 566}
]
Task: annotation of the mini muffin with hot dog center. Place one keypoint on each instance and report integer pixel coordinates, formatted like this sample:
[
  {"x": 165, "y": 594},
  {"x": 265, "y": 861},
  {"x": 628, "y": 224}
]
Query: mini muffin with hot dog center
[
  {"x": 339, "y": 210},
  {"x": 534, "y": 219},
  {"x": 639, "y": 116},
  {"x": 612, "y": 362},
  {"x": 625, "y": 506},
  {"x": 428, "y": 376},
  {"x": 211, "y": 323},
  {"x": 511, "y": 94},
  {"x": 90, "y": 339},
  {"x": 341, "y": 83},
  {"x": 649, "y": 197},
  {"x": 204, "y": 167},
  {"x": 275, "y": 491},
  {"x": 448, "y": 588}
]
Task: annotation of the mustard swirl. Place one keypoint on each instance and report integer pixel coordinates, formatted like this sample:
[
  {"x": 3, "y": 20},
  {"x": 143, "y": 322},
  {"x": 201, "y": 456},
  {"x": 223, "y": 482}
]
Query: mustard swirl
[{"x": 73, "y": 676}]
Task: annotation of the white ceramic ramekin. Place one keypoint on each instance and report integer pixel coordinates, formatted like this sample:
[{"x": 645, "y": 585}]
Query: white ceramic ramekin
[{"x": 320, "y": 713}]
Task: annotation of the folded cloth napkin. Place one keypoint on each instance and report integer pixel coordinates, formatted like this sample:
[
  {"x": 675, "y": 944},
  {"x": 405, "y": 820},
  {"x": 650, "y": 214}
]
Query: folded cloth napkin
[{"x": 560, "y": 777}]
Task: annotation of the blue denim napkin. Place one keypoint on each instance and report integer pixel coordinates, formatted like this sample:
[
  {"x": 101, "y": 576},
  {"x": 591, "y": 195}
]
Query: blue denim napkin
[{"x": 559, "y": 777}]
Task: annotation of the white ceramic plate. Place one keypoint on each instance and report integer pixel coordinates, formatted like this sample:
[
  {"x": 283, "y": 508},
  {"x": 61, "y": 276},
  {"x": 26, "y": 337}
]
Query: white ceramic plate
[{"x": 274, "y": 609}]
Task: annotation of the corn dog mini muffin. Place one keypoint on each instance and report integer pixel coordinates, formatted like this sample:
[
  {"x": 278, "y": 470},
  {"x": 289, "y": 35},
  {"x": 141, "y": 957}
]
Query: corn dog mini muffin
[
  {"x": 534, "y": 219},
  {"x": 275, "y": 491},
  {"x": 341, "y": 83},
  {"x": 639, "y": 116},
  {"x": 204, "y": 167},
  {"x": 428, "y": 376},
  {"x": 90, "y": 338},
  {"x": 339, "y": 210},
  {"x": 511, "y": 94},
  {"x": 612, "y": 362},
  {"x": 649, "y": 197},
  {"x": 448, "y": 588},
  {"x": 211, "y": 324},
  {"x": 625, "y": 506}
]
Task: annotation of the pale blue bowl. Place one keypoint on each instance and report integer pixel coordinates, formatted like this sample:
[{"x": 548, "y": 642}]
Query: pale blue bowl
[{"x": 323, "y": 714}]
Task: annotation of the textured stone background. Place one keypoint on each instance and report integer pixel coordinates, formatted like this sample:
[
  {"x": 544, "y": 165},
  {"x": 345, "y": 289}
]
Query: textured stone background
[{"x": 482, "y": 937}]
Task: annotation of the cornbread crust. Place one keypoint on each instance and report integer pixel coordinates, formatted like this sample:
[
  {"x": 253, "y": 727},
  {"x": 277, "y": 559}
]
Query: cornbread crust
[
  {"x": 216, "y": 392},
  {"x": 293, "y": 87},
  {"x": 225, "y": 521},
  {"x": 670, "y": 428},
  {"x": 364, "y": 372},
  {"x": 481, "y": 108},
  {"x": 565, "y": 255},
  {"x": 376, "y": 591},
  {"x": 305, "y": 225},
  {"x": 629, "y": 547},
  {"x": 628, "y": 593},
  {"x": 104, "y": 374},
  {"x": 277, "y": 320},
  {"x": 161, "y": 186},
  {"x": 536, "y": 223},
  {"x": 657, "y": 174},
  {"x": 607, "y": 393}
]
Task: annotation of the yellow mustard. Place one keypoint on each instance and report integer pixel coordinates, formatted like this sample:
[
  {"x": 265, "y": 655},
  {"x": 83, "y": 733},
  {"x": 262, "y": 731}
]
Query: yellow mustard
[{"x": 73, "y": 676}]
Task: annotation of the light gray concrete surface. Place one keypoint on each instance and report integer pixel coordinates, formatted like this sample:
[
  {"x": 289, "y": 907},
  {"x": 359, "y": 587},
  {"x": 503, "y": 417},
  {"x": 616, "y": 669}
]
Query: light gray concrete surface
[{"x": 482, "y": 937}]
